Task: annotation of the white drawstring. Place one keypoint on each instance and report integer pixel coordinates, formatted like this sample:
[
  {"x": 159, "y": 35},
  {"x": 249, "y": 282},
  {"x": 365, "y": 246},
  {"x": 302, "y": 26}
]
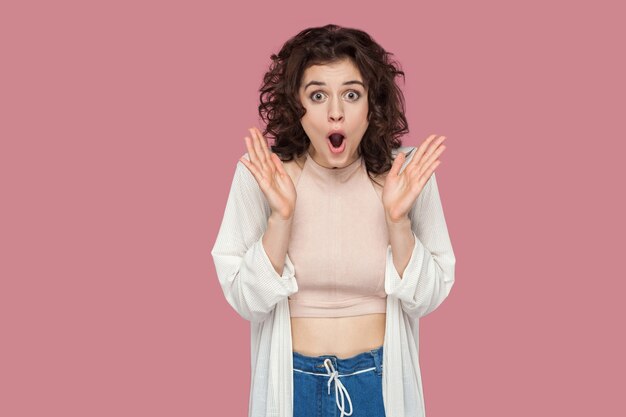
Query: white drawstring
[{"x": 339, "y": 388}]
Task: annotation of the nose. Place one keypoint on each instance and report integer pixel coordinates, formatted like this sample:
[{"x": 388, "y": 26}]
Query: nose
[{"x": 335, "y": 112}]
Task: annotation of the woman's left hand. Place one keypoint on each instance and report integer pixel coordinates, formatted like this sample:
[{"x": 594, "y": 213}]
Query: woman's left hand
[{"x": 401, "y": 191}]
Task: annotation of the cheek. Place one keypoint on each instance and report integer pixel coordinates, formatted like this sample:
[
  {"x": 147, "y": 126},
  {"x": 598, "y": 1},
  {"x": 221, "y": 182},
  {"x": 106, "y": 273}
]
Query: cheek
[
  {"x": 363, "y": 114},
  {"x": 309, "y": 123},
  {"x": 314, "y": 116}
]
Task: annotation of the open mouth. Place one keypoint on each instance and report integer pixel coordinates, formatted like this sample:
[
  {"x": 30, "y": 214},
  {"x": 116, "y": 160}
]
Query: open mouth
[
  {"x": 336, "y": 143},
  {"x": 336, "y": 139}
]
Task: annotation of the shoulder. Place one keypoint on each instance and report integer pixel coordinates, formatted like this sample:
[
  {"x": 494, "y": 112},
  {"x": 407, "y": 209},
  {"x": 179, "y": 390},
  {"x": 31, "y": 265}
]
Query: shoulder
[
  {"x": 244, "y": 177},
  {"x": 404, "y": 149}
]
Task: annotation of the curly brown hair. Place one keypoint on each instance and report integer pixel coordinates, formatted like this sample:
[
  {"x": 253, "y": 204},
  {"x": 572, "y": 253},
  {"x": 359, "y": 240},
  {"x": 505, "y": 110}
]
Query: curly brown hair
[{"x": 281, "y": 109}]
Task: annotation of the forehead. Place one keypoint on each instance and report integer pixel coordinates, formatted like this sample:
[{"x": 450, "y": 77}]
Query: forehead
[{"x": 332, "y": 73}]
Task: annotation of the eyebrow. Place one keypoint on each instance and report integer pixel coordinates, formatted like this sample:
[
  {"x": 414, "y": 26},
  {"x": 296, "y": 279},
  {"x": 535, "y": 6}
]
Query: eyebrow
[{"x": 310, "y": 83}]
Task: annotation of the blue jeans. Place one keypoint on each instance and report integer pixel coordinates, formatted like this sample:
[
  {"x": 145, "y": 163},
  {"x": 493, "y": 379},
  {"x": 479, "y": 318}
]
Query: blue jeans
[{"x": 326, "y": 386}]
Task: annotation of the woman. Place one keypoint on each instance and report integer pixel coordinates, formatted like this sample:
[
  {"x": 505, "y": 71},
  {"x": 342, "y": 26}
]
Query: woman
[{"x": 334, "y": 242}]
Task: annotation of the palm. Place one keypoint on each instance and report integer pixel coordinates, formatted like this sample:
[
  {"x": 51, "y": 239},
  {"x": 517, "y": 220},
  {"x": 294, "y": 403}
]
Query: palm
[
  {"x": 279, "y": 190},
  {"x": 399, "y": 193},
  {"x": 270, "y": 174},
  {"x": 401, "y": 189}
]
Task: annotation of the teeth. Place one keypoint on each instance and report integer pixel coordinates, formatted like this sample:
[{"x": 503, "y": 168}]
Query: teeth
[{"x": 336, "y": 139}]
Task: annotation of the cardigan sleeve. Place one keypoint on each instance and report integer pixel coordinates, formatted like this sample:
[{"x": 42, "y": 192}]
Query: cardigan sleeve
[
  {"x": 429, "y": 275},
  {"x": 246, "y": 275}
]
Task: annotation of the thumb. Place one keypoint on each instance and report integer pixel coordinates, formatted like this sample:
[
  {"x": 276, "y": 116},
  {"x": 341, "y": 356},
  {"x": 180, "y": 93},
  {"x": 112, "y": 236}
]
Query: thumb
[{"x": 397, "y": 164}]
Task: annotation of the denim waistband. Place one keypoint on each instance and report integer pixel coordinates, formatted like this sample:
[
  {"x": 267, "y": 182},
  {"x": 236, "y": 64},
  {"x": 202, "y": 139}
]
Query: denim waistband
[
  {"x": 360, "y": 361},
  {"x": 335, "y": 369}
]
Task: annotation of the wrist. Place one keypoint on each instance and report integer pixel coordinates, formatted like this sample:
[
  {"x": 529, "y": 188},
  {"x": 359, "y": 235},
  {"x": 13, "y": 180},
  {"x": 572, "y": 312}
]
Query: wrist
[
  {"x": 280, "y": 219},
  {"x": 401, "y": 222}
]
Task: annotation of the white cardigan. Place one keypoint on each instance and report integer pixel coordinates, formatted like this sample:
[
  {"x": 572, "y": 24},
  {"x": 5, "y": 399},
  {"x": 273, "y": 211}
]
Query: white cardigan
[{"x": 254, "y": 289}]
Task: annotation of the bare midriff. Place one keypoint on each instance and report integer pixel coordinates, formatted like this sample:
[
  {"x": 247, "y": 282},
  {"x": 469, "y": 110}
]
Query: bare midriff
[{"x": 340, "y": 336}]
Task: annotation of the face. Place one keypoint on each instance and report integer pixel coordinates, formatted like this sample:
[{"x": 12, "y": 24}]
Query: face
[{"x": 335, "y": 98}]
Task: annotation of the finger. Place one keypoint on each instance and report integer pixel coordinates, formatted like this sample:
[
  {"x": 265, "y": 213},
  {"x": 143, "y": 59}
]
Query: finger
[
  {"x": 422, "y": 148},
  {"x": 278, "y": 164},
  {"x": 434, "y": 145},
  {"x": 251, "y": 151},
  {"x": 258, "y": 149},
  {"x": 266, "y": 150},
  {"x": 429, "y": 171},
  {"x": 253, "y": 169},
  {"x": 431, "y": 157},
  {"x": 419, "y": 153},
  {"x": 397, "y": 164},
  {"x": 428, "y": 148},
  {"x": 262, "y": 147},
  {"x": 265, "y": 144}
]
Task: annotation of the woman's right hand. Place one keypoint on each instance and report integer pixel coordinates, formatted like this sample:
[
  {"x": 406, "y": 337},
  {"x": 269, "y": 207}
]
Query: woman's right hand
[{"x": 269, "y": 172}]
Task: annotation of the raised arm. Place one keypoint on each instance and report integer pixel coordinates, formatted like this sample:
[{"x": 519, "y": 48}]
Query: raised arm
[
  {"x": 429, "y": 275},
  {"x": 251, "y": 284}
]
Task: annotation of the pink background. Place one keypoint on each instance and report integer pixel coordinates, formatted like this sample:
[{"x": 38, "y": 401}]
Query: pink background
[{"x": 121, "y": 124}]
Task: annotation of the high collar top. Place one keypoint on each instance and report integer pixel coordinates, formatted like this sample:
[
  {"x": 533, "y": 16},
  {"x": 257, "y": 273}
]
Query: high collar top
[
  {"x": 341, "y": 174},
  {"x": 338, "y": 243}
]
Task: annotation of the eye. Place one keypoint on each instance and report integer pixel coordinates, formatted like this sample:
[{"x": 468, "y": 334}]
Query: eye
[
  {"x": 315, "y": 95},
  {"x": 355, "y": 93}
]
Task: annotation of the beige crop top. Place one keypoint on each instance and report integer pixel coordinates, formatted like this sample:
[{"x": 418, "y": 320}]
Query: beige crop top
[{"x": 338, "y": 242}]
